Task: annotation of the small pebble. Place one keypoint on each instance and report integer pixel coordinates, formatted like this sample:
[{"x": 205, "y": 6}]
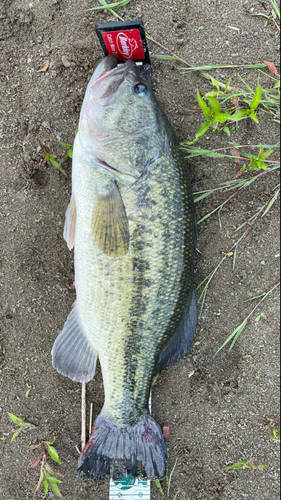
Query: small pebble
[
  {"x": 227, "y": 42},
  {"x": 28, "y": 60},
  {"x": 256, "y": 33},
  {"x": 252, "y": 10},
  {"x": 228, "y": 53},
  {"x": 262, "y": 262},
  {"x": 277, "y": 255}
]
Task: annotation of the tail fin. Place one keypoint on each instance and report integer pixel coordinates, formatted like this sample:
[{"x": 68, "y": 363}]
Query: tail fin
[{"x": 120, "y": 450}]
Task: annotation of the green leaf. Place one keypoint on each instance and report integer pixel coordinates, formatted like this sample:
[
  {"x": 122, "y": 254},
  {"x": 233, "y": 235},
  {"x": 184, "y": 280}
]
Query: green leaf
[
  {"x": 66, "y": 145},
  {"x": 239, "y": 115},
  {"x": 226, "y": 130},
  {"x": 53, "y": 484},
  {"x": 263, "y": 467},
  {"x": 207, "y": 111},
  {"x": 239, "y": 465},
  {"x": 53, "y": 454},
  {"x": 158, "y": 485},
  {"x": 111, "y": 5},
  {"x": 27, "y": 393},
  {"x": 253, "y": 116},
  {"x": 214, "y": 103},
  {"x": 258, "y": 318},
  {"x": 52, "y": 441},
  {"x": 16, "y": 434},
  {"x": 15, "y": 419},
  {"x": 202, "y": 130},
  {"x": 274, "y": 433},
  {"x": 267, "y": 154},
  {"x": 221, "y": 117},
  {"x": 215, "y": 83},
  {"x": 46, "y": 484},
  {"x": 50, "y": 470},
  {"x": 57, "y": 166},
  {"x": 257, "y": 98},
  {"x": 277, "y": 85},
  {"x": 227, "y": 85}
]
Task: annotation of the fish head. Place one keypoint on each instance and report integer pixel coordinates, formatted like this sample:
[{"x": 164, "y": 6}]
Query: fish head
[{"x": 121, "y": 125}]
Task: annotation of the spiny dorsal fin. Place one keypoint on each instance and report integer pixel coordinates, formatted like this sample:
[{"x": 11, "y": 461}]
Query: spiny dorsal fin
[
  {"x": 110, "y": 224},
  {"x": 70, "y": 223}
]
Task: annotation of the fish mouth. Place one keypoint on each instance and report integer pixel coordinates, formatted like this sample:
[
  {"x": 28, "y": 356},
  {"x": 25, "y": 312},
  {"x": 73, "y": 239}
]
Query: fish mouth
[
  {"x": 111, "y": 68},
  {"x": 109, "y": 79}
]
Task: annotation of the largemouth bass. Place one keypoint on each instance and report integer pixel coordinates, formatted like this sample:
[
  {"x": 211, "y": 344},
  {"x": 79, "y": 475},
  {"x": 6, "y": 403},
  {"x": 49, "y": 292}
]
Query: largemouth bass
[{"x": 131, "y": 221}]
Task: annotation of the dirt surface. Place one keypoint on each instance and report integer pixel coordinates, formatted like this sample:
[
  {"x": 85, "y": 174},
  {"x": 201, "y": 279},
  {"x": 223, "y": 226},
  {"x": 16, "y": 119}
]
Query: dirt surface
[{"x": 217, "y": 407}]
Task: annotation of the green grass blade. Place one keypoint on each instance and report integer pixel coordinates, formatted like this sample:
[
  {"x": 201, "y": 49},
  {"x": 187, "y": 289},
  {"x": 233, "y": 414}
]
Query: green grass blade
[
  {"x": 110, "y": 6},
  {"x": 203, "y": 196},
  {"x": 167, "y": 58},
  {"x": 245, "y": 83},
  {"x": 233, "y": 334},
  {"x": 205, "y": 279},
  {"x": 276, "y": 8},
  {"x": 218, "y": 66},
  {"x": 234, "y": 257},
  {"x": 256, "y": 297},
  {"x": 271, "y": 203},
  {"x": 205, "y": 217},
  {"x": 242, "y": 326}
]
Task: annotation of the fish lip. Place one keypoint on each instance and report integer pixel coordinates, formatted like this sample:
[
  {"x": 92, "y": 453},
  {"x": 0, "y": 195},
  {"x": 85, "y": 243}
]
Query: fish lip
[{"x": 117, "y": 69}]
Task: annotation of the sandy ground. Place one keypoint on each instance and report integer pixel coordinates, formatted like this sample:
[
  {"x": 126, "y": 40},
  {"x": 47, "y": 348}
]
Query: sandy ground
[{"x": 218, "y": 415}]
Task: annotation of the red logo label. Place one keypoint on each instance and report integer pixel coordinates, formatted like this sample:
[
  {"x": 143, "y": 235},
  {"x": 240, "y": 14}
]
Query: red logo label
[{"x": 124, "y": 44}]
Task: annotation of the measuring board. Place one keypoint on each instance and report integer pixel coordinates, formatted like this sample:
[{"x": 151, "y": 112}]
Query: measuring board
[{"x": 129, "y": 488}]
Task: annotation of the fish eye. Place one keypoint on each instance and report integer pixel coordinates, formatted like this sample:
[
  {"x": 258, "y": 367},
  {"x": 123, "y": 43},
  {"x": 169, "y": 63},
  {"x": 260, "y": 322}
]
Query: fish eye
[{"x": 140, "y": 89}]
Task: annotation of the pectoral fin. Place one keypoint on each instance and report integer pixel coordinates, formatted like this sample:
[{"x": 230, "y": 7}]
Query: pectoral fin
[
  {"x": 110, "y": 226},
  {"x": 70, "y": 223}
]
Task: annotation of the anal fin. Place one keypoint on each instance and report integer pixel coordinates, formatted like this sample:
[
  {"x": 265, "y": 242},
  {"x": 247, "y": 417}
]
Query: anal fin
[
  {"x": 181, "y": 342},
  {"x": 110, "y": 226},
  {"x": 72, "y": 354},
  {"x": 70, "y": 223}
]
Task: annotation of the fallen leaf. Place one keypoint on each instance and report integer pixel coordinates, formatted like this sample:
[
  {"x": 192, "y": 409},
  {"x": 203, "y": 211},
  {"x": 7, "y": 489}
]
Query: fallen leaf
[
  {"x": 166, "y": 432},
  {"x": 66, "y": 62},
  {"x": 45, "y": 67},
  {"x": 272, "y": 68}
]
